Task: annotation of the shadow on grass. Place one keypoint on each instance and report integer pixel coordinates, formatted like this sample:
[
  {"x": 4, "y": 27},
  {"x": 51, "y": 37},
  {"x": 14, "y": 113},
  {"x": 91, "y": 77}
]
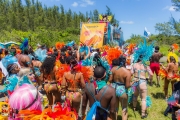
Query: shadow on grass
[
  {"x": 158, "y": 95},
  {"x": 120, "y": 116}
]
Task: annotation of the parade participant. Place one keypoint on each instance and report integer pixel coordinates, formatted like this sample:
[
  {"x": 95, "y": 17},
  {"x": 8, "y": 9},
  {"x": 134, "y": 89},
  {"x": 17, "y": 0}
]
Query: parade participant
[
  {"x": 121, "y": 78},
  {"x": 171, "y": 69},
  {"x": 102, "y": 98},
  {"x": 48, "y": 70},
  {"x": 154, "y": 64},
  {"x": 10, "y": 63},
  {"x": 139, "y": 70},
  {"x": 25, "y": 97},
  {"x": 73, "y": 84}
]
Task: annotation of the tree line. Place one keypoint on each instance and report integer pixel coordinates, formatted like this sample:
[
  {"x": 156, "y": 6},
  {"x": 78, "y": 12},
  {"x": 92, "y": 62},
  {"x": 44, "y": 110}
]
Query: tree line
[
  {"x": 41, "y": 23},
  {"x": 33, "y": 15}
]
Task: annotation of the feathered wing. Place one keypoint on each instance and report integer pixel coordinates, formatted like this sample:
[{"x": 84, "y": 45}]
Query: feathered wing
[{"x": 162, "y": 73}]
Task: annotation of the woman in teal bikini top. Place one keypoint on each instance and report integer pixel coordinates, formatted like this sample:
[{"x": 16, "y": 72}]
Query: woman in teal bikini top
[{"x": 139, "y": 71}]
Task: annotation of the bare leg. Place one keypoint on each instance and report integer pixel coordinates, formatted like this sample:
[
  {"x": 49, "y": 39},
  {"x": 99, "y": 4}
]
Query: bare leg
[
  {"x": 166, "y": 83},
  {"x": 124, "y": 104},
  {"x": 158, "y": 78},
  {"x": 117, "y": 107},
  {"x": 136, "y": 93},
  {"x": 50, "y": 98},
  {"x": 143, "y": 89}
]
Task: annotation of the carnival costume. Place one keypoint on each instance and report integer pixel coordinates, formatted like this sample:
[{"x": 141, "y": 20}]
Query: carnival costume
[{"x": 142, "y": 53}]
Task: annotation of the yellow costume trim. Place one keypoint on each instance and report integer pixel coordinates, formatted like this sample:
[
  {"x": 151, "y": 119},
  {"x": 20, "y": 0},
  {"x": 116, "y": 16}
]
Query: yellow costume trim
[{"x": 173, "y": 55}]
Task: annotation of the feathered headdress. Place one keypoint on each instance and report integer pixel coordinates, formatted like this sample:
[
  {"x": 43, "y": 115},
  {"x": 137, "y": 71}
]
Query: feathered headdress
[
  {"x": 143, "y": 52},
  {"x": 24, "y": 44},
  {"x": 131, "y": 48},
  {"x": 113, "y": 53},
  {"x": 59, "y": 45},
  {"x": 173, "y": 55}
]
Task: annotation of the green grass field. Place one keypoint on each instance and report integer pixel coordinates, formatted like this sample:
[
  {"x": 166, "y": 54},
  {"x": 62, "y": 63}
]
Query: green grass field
[{"x": 159, "y": 104}]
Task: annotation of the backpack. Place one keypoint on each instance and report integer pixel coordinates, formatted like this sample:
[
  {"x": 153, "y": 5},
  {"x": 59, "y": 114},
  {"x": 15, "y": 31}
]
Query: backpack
[{"x": 97, "y": 112}]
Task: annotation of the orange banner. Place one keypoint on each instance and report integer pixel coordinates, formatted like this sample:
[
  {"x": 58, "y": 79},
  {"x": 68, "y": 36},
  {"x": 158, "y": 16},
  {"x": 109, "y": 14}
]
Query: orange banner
[{"x": 92, "y": 34}]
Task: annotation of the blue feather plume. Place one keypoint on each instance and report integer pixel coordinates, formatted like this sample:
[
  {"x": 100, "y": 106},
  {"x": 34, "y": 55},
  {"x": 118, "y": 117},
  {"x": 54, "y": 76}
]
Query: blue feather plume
[{"x": 24, "y": 45}]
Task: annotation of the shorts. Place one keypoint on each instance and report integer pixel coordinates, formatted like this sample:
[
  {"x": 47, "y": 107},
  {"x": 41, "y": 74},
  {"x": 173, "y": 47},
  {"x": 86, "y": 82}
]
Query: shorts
[{"x": 155, "y": 67}]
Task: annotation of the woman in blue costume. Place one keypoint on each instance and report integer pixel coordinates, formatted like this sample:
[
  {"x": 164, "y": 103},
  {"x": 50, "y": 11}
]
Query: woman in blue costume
[
  {"x": 139, "y": 70},
  {"x": 121, "y": 78},
  {"x": 10, "y": 63}
]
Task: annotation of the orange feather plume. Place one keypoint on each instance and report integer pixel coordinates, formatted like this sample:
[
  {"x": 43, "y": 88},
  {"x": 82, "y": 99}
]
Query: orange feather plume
[
  {"x": 61, "y": 70},
  {"x": 162, "y": 73},
  {"x": 86, "y": 71},
  {"x": 175, "y": 46},
  {"x": 131, "y": 48},
  {"x": 59, "y": 113},
  {"x": 113, "y": 53},
  {"x": 59, "y": 45}
]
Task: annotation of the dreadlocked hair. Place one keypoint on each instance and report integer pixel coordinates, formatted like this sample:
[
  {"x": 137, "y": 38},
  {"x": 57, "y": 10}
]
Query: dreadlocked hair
[{"x": 48, "y": 64}]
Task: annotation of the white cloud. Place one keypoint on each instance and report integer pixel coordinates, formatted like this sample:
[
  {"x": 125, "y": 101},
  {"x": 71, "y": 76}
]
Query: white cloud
[
  {"x": 127, "y": 22},
  {"x": 170, "y": 8},
  {"x": 89, "y": 2},
  {"x": 75, "y": 4},
  {"x": 83, "y": 3}
]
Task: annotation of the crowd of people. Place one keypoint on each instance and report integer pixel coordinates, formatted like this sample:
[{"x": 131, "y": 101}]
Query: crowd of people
[{"x": 74, "y": 82}]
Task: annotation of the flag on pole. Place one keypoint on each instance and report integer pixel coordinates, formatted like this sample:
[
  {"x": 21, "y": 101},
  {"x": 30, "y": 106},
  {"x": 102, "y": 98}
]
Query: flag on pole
[{"x": 146, "y": 33}]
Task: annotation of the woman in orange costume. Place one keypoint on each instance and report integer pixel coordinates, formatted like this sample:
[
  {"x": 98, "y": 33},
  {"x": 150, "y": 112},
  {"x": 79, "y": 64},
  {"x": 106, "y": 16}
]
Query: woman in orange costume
[
  {"x": 51, "y": 87},
  {"x": 171, "y": 73},
  {"x": 73, "y": 84}
]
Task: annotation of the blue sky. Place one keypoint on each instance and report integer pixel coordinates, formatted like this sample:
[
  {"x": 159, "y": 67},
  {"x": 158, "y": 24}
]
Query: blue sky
[{"x": 134, "y": 15}]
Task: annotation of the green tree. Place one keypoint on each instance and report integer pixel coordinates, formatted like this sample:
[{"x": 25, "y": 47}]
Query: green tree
[
  {"x": 96, "y": 15},
  {"x": 164, "y": 28},
  {"x": 176, "y": 3}
]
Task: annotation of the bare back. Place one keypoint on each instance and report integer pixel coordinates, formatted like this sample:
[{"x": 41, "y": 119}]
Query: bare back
[
  {"x": 73, "y": 81},
  {"x": 156, "y": 57},
  {"x": 171, "y": 68},
  {"x": 121, "y": 75},
  {"x": 140, "y": 67}
]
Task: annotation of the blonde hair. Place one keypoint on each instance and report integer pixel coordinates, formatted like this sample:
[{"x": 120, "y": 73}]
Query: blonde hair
[{"x": 24, "y": 71}]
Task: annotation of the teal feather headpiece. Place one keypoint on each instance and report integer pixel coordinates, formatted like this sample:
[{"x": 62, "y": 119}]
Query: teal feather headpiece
[{"x": 143, "y": 52}]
